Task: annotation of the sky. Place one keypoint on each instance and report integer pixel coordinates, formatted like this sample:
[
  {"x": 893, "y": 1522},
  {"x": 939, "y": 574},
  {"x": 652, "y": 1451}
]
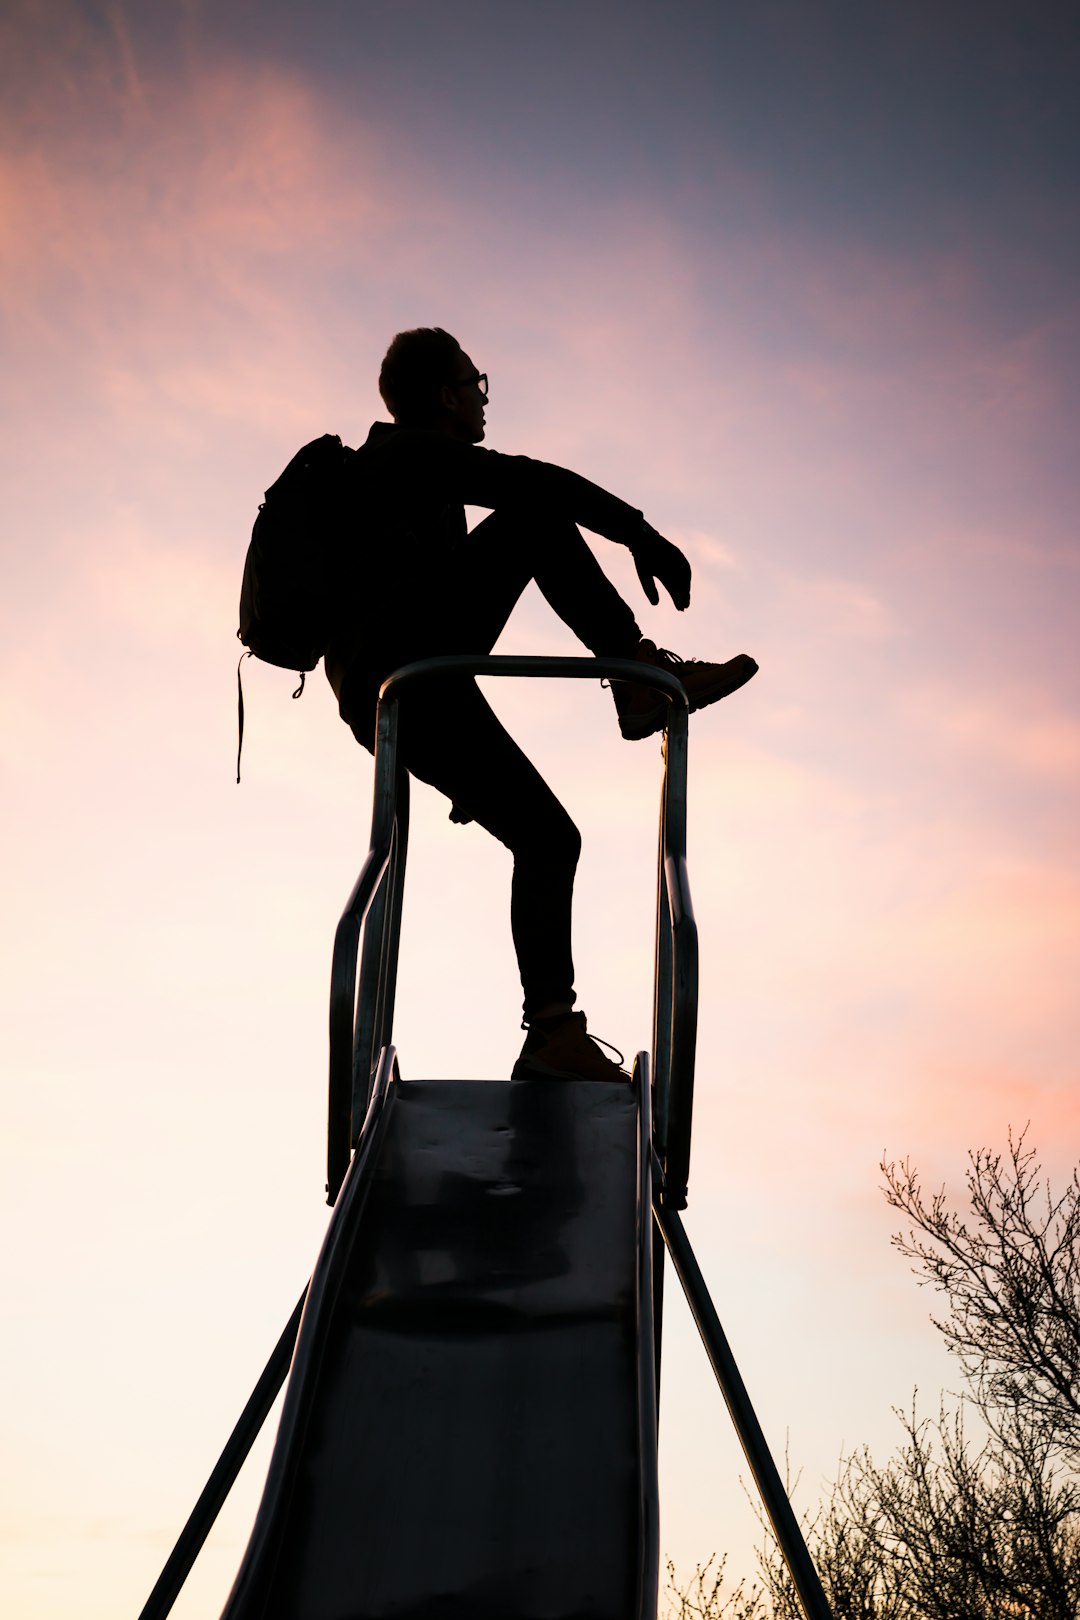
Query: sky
[{"x": 797, "y": 278}]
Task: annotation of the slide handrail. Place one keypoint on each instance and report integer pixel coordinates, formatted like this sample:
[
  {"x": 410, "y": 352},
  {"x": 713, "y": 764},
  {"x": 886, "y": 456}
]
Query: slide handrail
[
  {"x": 648, "y": 1573},
  {"x": 200, "y": 1522},
  {"x": 361, "y": 1023},
  {"x": 256, "y": 1570}
]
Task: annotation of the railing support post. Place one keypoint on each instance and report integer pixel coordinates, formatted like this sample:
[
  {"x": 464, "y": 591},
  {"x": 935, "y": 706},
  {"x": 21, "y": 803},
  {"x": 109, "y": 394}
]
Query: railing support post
[
  {"x": 755, "y": 1449},
  {"x": 203, "y": 1514}
]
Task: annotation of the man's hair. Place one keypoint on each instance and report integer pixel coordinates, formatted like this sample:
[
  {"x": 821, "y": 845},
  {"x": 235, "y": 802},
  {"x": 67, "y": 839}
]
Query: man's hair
[{"x": 416, "y": 366}]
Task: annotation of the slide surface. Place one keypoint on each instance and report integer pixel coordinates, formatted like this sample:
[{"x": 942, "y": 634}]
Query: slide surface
[{"x": 461, "y": 1430}]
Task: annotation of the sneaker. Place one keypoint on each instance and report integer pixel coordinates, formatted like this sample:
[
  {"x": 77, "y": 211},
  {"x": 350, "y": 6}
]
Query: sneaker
[
  {"x": 641, "y": 712},
  {"x": 563, "y": 1049}
]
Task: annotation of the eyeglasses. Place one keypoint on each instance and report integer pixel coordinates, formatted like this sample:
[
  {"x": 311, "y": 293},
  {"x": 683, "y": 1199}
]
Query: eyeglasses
[{"x": 478, "y": 377}]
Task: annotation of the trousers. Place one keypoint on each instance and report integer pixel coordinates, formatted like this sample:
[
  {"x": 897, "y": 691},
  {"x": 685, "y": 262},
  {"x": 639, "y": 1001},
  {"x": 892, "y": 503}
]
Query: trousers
[{"x": 451, "y": 738}]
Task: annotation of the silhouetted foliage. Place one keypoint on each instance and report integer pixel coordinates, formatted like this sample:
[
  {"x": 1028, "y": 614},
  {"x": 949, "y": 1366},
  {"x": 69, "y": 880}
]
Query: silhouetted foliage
[
  {"x": 957, "y": 1526},
  {"x": 705, "y": 1599},
  {"x": 948, "y": 1529}
]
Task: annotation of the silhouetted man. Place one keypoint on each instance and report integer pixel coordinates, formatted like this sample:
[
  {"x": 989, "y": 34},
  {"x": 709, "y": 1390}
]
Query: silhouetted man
[{"x": 421, "y": 585}]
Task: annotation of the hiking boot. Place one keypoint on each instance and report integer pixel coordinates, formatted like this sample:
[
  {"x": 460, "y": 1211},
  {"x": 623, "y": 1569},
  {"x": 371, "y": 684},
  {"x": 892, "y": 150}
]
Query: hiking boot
[
  {"x": 562, "y": 1049},
  {"x": 641, "y": 711}
]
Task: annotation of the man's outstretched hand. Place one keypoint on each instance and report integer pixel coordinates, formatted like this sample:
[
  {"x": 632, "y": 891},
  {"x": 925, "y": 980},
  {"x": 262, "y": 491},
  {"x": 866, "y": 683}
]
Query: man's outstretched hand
[{"x": 657, "y": 559}]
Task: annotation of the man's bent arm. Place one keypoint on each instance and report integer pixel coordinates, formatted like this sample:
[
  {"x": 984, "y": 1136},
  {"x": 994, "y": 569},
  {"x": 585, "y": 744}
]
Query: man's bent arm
[
  {"x": 478, "y": 477},
  {"x": 467, "y": 475}
]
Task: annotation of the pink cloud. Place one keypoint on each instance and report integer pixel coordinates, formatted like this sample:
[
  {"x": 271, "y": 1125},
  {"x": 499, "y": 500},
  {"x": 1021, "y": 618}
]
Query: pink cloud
[
  {"x": 1021, "y": 729},
  {"x": 155, "y": 224}
]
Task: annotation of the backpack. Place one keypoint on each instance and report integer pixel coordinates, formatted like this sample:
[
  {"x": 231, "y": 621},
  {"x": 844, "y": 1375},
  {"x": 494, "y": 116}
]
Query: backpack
[{"x": 287, "y": 596}]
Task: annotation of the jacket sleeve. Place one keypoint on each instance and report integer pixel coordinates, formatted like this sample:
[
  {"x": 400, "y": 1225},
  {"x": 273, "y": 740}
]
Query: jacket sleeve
[{"x": 478, "y": 477}]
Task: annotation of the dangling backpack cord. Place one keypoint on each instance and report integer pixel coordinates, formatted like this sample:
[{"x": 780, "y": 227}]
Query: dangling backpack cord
[
  {"x": 240, "y": 712},
  {"x": 240, "y": 707},
  {"x": 289, "y": 593}
]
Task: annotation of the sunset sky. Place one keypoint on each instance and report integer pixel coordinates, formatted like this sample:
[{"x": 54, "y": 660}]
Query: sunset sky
[{"x": 800, "y": 279}]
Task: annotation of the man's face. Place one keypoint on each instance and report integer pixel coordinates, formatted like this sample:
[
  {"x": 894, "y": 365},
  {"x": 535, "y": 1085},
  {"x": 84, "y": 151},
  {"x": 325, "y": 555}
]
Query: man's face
[{"x": 465, "y": 402}]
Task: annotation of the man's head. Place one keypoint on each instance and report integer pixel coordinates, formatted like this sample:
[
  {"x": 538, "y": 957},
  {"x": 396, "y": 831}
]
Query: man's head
[{"x": 427, "y": 380}]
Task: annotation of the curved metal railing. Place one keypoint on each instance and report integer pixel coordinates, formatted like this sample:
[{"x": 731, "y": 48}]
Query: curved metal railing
[{"x": 361, "y": 1017}]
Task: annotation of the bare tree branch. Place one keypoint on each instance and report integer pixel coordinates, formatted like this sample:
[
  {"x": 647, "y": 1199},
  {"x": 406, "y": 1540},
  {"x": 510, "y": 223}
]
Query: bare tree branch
[{"x": 1011, "y": 1279}]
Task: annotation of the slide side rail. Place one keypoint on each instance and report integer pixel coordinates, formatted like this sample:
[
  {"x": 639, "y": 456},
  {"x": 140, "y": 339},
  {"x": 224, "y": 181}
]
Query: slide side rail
[
  {"x": 224, "y": 1475},
  {"x": 256, "y": 1572},
  {"x": 644, "y": 1310}
]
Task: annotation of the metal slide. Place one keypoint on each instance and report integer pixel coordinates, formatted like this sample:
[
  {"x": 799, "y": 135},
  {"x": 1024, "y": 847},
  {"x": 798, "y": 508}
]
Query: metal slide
[{"x": 469, "y": 1428}]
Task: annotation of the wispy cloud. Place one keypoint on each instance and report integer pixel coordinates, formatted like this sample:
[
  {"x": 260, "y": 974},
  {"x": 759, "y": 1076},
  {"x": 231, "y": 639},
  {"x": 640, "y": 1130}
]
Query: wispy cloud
[{"x": 1018, "y": 728}]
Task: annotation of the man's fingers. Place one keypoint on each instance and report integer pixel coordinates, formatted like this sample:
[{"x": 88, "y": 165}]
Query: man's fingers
[
  {"x": 657, "y": 559},
  {"x": 675, "y": 576},
  {"x": 648, "y": 584}
]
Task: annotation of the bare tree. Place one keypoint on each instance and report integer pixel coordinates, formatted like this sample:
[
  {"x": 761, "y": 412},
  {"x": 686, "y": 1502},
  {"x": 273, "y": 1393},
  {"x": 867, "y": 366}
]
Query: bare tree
[
  {"x": 1010, "y": 1274},
  {"x": 976, "y": 1516}
]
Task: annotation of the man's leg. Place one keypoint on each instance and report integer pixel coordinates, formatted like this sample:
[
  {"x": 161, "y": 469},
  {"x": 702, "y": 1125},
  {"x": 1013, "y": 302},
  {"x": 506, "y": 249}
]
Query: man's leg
[
  {"x": 454, "y": 741},
  {"x": 464, "y": 609},
  {"x": 451, "y": 738},
  {"x": 486, "y": 574},
  {"x": 491, "y": 568}
]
